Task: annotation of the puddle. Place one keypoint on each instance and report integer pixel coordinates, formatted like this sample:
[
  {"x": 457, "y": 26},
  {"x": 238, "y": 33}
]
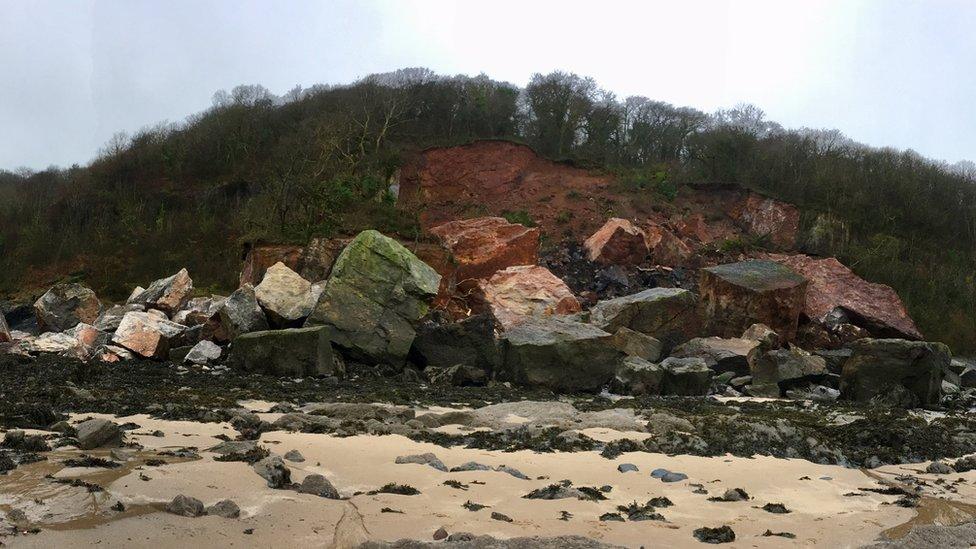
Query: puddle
[{"x": 53, "y": 505}]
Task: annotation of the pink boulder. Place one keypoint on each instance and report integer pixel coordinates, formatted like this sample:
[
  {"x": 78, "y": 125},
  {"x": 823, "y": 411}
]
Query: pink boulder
[
  {"x": 617, "y": 242},
  {"x": 519, "y": 293},
  {"x": 482, "y": 246}
]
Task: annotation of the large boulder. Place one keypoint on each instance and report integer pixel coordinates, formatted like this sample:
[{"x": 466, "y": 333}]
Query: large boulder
[
  {"x": 516, "y": 294},
  {"x": 634, "y": 343},
  {"x": 667, "y": 314},
  {"x": 98, "y": 433},
  {"x": 199, "y": 310},
  {"x": 879, "y": 367},
  {"x": 558, "y": 354},
  {"x": 484, "y": 245},
  {"x": 240, "y": 314},
  {"x": 636, "y": 376},
  {"x": 665, "y": 247},
  {"x": 285, "y": 296},
  {"x": 875, "y": 307},
  {"x": 146, "y": 334},
  {"x": 685, "y": 377},
  {"x": 295, "y": 352},
  {"x": 65, "y": 305},
  {"x": 785, "y": 367},
  {"x": 470, "y": 342},
  {"x": 317, "y": 258},
  {"x": 167, "y": 294},
  {"x": 762, "y": 216},
  {"x": 617, "y": 242},
  {"x": 737, "y": 295},
  {"x": 110, "y": 318},
  {"x": 377, "y": 292},
  {"x": 203, "y": 352},
  {"x": 720, "y": 354}
]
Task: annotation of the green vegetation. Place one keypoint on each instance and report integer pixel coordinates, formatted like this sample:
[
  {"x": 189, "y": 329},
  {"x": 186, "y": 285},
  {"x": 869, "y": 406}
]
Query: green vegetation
[
  {"x": 318, "y": 162},
  {"x": 521, "y": 217}
]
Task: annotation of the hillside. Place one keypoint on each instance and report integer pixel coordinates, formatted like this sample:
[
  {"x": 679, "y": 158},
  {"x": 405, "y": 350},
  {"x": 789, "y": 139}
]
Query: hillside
[{"x": 321, "y": 162}]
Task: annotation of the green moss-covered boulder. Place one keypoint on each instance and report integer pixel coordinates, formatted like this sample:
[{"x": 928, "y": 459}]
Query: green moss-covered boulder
[
  {"x": 737, "y": 295},
  {"x": 377, "y": 292},
  {"x": 295, "y": 352}
]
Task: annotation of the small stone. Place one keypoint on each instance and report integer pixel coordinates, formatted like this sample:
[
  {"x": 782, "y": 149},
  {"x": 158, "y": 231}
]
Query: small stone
[
  {"x": 498, "y": 516},
  {"x": 423, "y": 459},
  {"x": 627, "y": 468},
  {"x": 440, "y": 534},
  {"x": 98, "y": 433},
  {"x": 319, "y": 486},
  {"x": 224, "y": 508},
  {"x": 294, "y": 456},
  {"x": 185, "y": 506},
  {"x": 938, "y": 468},
  {"x": 273, "y": 470},
  {"x": 776, "y": 508},
  {"x": 732, "y": 494}
]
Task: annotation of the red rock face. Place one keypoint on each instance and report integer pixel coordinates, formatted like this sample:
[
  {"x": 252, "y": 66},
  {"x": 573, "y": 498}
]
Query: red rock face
[
  {"x": 526, "y": 291},
  {"x": 764, "y": 216},
  {"x": 738, "y": 295},
  {"x": 834, "y": 285},
  {"x": 262, "y": 256},
  {"x": 484, "y": 245},
  {"x": 694, "y": 226},
  {"x": 666, "y": 247},
  {"x": 617, "y": 242}
]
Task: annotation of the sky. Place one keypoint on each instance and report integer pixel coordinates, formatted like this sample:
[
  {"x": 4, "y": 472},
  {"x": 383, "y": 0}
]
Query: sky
[{"x": 887, "y": 73}]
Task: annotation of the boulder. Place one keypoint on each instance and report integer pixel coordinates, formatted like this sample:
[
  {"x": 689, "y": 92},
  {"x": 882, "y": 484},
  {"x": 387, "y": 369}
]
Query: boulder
[
  {"x": 875, "y": 307},
  {"x": 241, "y": 314},
  {"x": 4, "y": 330},
  {"x": 685, "y": 377},
  {"x": 737, "y": 295},
  {"x": 167, "y": 294},
  {"x": 65, "y": 305},
  {"x": 617, "y": 242},
  {"x": 135, "y": 293},
  {"x": 720, "y": 354},
  {"x": 112, "y": 353},
  {"x": 318, "y": 485},
  {"x": 469, "y": 342},
  {"x": 376, "y": 294},
  {"x": 146, "y": 334},
  {"x": 764, "y": 335},
  {"x": 199, "y": 310},
  {"x": 636, "y": 376},
  {"x": 667, "y": 314},
  {"x": 273, "y": 470},
  {"x": 295, "y": 352},
  {"x": 225, "y": 509},
  {"x": 558, "y": 354},
  {"x": 693, "y": 226},
  {"x": 111, "y": 318},
  {"x": 785, "y": 367},
  {"x": 318, "y": 257},
  {"x": 186, "y": 506},
  {"x": 204, "y": 352},
  {"x": 98, "y": 433},
  {"x": 516, "y": 294},
  {"x": 634, "y": 343},
  {"x": 880, "y": 366},
  {"x": 258, "y": 257},
  {"x": 762, "y": 216},
  {"x": 285, "y": 296},
  {"x": 53, "y": 342},
  {"x": 665, "y": 247},
  {"x": 482, "y": 246}
]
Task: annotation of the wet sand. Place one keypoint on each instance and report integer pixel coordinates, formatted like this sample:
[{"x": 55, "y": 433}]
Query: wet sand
[{"x": 821, "y": 513}]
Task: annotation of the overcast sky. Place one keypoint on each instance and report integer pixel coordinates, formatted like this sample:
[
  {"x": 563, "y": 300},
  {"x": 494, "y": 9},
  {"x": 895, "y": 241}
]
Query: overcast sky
[{"x": 890, "y": 72}]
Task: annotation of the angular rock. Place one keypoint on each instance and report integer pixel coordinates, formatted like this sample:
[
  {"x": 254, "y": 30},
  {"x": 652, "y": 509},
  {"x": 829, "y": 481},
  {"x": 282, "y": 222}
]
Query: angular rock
[
  {"x": 377, "y": 292},
  {"x": 761, "y": 216},
  {"x": 259, "y": 257},
  {"x": 785, "y": 367},
  {"x": 65, "y": 305},
  {"x": 879, "y": 366},
  {"x": 470, "y": 342},
  {"x": 720, "y": 354},
  {"x": 685, "y": 377},
  {"x": 285, "y": 296},
  {"x": 294, "y": 456},
  {"x": 242, "y": 314},
  {"x": 617, "y": 242},
  {"x": 203, "y": 352},
  {"x": 423, "y": 459},
  {"x": 666, "y": 248},
  {"x": 110, "y": 319},
  {"x": 185, "y": 506},
  {"x": 633, "y": 343},
  {"x": 559, "y": 354},
  {"x": 112, "y": 353},
  {"x": 318, "y": 257},
  {"x": 199, "y": 310},
  {"x": 4, "y": 330},
  {"x": 517, "y": 294},
  {"x": 763, "y": 335},
  {"x": 482, "y": 246},
  {"x": 693, "y": 226},
  {"x": 669, "y": 315},
  {"x": 52, "y": 342},
  {"x": 737, "y": 295},
  {"x": 875, "y": 307},
  {"x": 167, "y": 294},
  {"x": 636, "y": 376},
  {"x": 225, "y": 508},
  {"x": 274, "y": 471},
  {"x": 98, "y": 433},
  {"x": 146, "y": 334},
  {"x": 296, "y": 352},
  {"x": 318, "y": 485}
]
